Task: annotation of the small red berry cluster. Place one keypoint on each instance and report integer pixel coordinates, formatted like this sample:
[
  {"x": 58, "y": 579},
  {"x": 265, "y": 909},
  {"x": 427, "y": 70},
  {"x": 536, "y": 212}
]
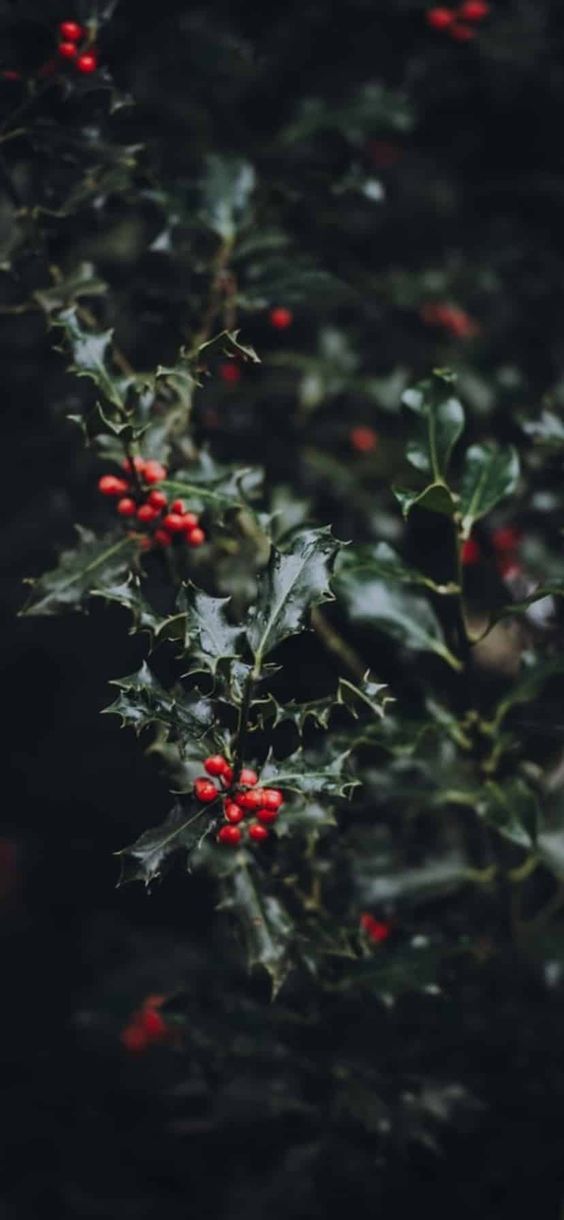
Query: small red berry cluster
[
  {"x": 505, "y": 542},
  {"x": 145, "y": 1027},
  {"x": 375, "y": 929},
  {"x": 71, "y": 34},
  {"x": 150, "y": 507},
  {"x": 451, "y": 318},
  {"x": 245, "y": 797},
  {"x": 459, "y": 23}
]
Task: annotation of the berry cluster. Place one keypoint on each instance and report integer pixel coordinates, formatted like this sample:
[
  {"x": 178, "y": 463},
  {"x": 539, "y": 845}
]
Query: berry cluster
[
  {"x": 71, "y": 35},
  {"x": 146, "y": 1026},
  {"x": 375, "y": 929},
  {"x": 451, "y": 318},
  {"x": 141, "y": 500},
  {"x": 505, "y": 542},
  {"x": 245, "y": 797},
  {"x": 459, "y": 23}
]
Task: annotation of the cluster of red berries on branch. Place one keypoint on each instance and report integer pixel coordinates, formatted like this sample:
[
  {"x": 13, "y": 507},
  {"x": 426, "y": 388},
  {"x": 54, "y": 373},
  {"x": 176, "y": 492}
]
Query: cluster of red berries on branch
[
  {"x": 363, "y": 439},
  {"x": 375, "y": 929},
  {"x": 238, "y": 800},
  {"x": 138, "y": 499},
  {"x": 451, "y": 318},
  {"x": 146, "y": 1026},
  {"x": 459, "y": 23},
  {"x": 505, "y": 542},
  {"x": 72, "y": 36}
]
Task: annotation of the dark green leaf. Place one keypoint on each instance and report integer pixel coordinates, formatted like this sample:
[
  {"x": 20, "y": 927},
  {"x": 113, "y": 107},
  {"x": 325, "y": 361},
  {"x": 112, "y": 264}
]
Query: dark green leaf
[
  {"x": 490, "y": 473},
  {"x": 93, "y": 567},
  {"x": 404, "y": 616},
  {"x": 437, "y": 421},
  {"x": 267, "y": 928},
  {"x": 227, "y": 188},
  {"x": 91, "y": 356},
  {"x": 304, "y": 773},
  {"x": 511, "y": 809},
  {"x": 209, "y": 636},
  {"x": 435, "y": 498},
  {"x": 143, "y": 702},
  {"x": 183, "y": 830},
  {"x": 128, "y": 594},
  {"x": 294, "y": 581}
]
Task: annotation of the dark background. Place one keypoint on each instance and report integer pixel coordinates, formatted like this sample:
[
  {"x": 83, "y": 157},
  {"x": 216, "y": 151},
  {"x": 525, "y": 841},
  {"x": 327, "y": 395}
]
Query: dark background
[{"x": 90, "y": 1133}]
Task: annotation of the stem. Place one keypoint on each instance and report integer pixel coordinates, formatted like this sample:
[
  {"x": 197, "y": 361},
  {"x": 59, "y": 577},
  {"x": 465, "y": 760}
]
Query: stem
[
  {"x": 242, "y": 724},
  {"x": 335, "y": 644},
  {"x": 215, "y": 294}
]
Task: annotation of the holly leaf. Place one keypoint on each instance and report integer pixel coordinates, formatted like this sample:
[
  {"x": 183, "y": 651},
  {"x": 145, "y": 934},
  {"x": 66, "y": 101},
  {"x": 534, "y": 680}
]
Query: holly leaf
[
  {"x": 128, "y": 594},
  {"x": 143, "y": 702},
  {"x": 295, "y": 580},
  {"x": 267, "y": 928},
  {"x": 306, "y": 774},
  {"x": 226, "y": 191},
  {"x": 404, "y": 616},
  {"x": 437, "y": 420},
  {"x": 91, "y": 356},
  {"x": 209, "y": 636},
  {"x": 511, "y": 809},
  {"x": 490, "y": 473},
  {"x": 93, "y": 567},
  {"x": 435, "y": 498},
  {"x": 547, "y": 431},
  {"x": 147, "y": 858},
  {"x": 382, "y": 561}
]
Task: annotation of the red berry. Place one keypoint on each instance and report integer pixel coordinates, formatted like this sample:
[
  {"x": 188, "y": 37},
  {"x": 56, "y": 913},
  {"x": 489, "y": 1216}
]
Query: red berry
[
  {"x": 173, "y": 522},
  {"x": 258, "y": 833},
  {"x": 267, "y": 816},
  {"x": 134, "y": 1038},
  {"x": 153, "y": 1024},
  {"x": 462, "y": 33},
  {"x": 470, "y": 553},
  {"x": 71, "y": 31},
  {"x": 383, "y": 154},
  {"x": 234, "y": 813},
  {"x": 154, "y": 472},
  {"x": 66, "y": 50},
  {"x": 10, "y": 74},
  {"x": 144, "y": 542},
  {"x": 363, "y": 439},
  {"x": 508, "y": 568},
  {"x": 87, "y": 63},
  {"x": 147, "y": 513},
  {"x": 157, "y": 499},
  {"x": 230, "y": 372},
  {"x": 137, "y": 463},
  {"x": 227, "y": 776},
  {"x": 231, "y": 835},
  {"x": 440, "y": 18},
  {"x": 272, "y": 798},
  {"x": 205, "y": 790},
  {"x": 126, "y": 507},
  {"x": 248, "y": 777},
  {"x": 162, "y": 538},
  {"x": 178, "y": 506},
  {"x": 249, "y": 800},
  {"x": 189, "y": 520},
  {"x": 195, "y": 537},
  {"x": 505, "y": 539},
  {"x": 281, "y": 318},
  {"x": 474, "y": 10},
  {"x": 109, "y": 485},
  {"x": 375, "y": 929},
  {"x": 215, "y": 764}
]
